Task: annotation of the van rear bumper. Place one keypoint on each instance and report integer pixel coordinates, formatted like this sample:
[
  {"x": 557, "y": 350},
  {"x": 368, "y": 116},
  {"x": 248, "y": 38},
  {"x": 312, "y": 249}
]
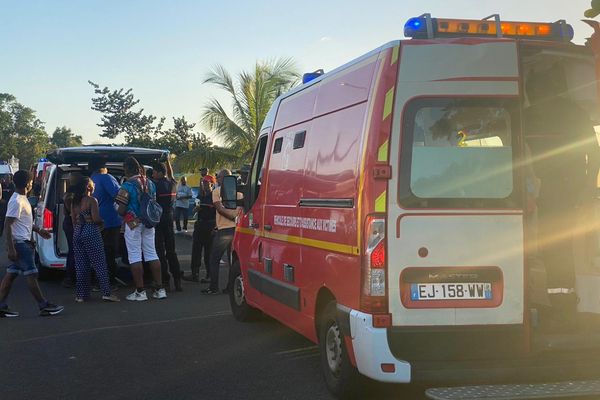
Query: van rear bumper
[{"x": 372, "y": 348}]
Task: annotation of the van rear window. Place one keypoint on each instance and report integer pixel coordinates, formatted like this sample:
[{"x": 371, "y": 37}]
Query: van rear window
[{"x": 457, "y": 154}]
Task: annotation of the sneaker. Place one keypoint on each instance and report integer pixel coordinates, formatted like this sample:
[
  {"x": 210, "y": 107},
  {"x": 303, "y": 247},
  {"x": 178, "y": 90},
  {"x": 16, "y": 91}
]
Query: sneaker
[
  {"x": 209, "y": 291},
  {"x": 51, "y": 309},
  {"x": 112, "y": 298},
  {"x": 160, "y": 294},
  {"x": 6, "y": 312},
  {"x": 79, "y": 300},
  {"x": 137, "y": 296}
]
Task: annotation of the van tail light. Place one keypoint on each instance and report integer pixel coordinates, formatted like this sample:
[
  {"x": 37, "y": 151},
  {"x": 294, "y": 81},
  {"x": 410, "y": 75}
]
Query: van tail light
[
  {"x": 48, "y": 221},
  {"x": 374, "y": 267}
]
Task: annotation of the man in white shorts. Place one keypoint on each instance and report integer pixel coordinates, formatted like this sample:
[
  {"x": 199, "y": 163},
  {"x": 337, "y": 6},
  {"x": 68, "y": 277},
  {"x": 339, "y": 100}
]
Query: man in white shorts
[{"x": 139, "y": 239}]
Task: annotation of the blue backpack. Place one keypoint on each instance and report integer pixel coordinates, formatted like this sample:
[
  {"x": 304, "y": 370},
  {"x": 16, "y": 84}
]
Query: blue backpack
[{"x": 150, "y": 210}]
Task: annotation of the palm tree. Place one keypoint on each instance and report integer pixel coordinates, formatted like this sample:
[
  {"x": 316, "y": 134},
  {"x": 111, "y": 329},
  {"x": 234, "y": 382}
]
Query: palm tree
[{"x": 252, "y": 96}]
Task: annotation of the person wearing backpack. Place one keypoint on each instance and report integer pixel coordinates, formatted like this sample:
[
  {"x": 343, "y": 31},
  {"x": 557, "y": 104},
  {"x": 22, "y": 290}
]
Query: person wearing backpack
[{"x": 137, "y": 205}]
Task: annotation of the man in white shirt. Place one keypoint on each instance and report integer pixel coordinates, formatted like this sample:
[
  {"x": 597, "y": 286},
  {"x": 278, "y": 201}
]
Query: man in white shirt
[{"x": 20, "y": 248}]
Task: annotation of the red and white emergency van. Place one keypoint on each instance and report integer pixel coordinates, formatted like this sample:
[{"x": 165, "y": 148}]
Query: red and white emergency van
[{"x": 426, "y": 212}]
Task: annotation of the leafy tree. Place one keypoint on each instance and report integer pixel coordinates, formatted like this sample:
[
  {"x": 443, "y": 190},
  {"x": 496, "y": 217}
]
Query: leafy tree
[
  {"x": 120, "y": 118},
  {"x": 64, "y": 137},
  {"x": 22, "y": 134},
  {"x": 252, "y": 96}
]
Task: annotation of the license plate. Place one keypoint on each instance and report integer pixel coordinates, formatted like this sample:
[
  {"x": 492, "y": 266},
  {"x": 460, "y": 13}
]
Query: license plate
[{"x": 450, "y": 291}]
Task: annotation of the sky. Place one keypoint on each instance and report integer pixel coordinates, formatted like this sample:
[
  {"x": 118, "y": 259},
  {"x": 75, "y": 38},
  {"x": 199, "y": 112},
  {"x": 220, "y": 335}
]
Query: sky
[{"x": 163, "y": 49}]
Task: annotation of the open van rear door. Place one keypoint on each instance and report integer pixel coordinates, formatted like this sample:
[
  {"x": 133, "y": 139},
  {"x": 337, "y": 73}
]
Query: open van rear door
[
  {"x": 456, "y": 220},
  {"x": 73, "y": 155}
]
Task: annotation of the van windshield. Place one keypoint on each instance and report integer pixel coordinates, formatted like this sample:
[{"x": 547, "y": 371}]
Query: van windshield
[{"x": 457, "y": 154}]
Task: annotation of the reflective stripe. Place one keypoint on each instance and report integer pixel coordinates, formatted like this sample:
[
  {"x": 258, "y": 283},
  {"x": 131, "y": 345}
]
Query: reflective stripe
[{"x": 320, "y": 244}]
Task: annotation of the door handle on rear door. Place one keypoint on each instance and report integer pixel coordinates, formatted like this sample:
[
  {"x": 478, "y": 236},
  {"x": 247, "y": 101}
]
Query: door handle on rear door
[{"x": 255, "y": 225}]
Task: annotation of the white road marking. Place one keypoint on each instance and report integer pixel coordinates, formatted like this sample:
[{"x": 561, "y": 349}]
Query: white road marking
[
  {"x": 106, "y": 328},
  {"x": 301, "y": 349}
]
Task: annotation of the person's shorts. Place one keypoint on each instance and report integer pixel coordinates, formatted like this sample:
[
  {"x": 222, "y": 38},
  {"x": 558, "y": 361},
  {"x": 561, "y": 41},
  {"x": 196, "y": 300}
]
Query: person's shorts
[
  {"x": 25, "y": 265},
  {"x": 140, "y": 244}
]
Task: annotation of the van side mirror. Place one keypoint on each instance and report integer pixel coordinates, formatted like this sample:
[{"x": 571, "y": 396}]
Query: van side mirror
[{"x": 229, "y": 192}]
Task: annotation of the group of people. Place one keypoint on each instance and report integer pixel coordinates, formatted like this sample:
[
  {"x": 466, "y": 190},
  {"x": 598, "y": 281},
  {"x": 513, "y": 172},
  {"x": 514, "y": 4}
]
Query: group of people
[{"x": 101, "y": 215}]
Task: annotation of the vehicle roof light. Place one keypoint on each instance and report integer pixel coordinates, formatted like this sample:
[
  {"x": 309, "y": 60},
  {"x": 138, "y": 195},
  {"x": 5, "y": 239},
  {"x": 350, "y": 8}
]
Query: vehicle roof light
[{"x": 417, "y": 28}]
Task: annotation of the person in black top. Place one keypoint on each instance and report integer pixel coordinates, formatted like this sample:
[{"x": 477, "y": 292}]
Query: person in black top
[
  {"x": 203, "y": 230},
  {"x": 166, "y": 190}
]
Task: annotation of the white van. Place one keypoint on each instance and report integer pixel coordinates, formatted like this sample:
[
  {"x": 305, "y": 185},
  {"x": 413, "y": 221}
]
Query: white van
[{"x": 50, "y": 213}]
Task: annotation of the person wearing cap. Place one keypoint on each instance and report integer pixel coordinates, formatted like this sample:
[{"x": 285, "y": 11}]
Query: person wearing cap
[{"x": 106, "y": 189}]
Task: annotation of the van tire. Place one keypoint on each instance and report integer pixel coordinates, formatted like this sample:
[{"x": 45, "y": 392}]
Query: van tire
[
  {"x": 237, "y": 300},
  {"x": 341, "y": 377}
]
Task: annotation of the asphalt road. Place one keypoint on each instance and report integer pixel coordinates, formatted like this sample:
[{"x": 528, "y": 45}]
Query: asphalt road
[{"x": 185, "y": 347}]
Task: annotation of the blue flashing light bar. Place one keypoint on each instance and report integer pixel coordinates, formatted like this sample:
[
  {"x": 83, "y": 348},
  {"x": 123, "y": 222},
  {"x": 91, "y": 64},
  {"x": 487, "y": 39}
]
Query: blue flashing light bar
[
  {"x": 312, "y": 75},
  {"x": 425, "y": 27}
]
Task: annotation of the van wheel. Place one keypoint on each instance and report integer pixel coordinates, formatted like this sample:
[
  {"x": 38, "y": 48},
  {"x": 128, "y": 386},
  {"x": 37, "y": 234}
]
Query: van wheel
[
  {"x": 340, "y": 375},
  {"x": 237, "y": 297}
]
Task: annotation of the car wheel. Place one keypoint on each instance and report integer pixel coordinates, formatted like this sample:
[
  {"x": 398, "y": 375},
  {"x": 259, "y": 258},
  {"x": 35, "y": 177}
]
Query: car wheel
[
  {"x": 237, "y": 296},
  {"x": 341, "y": 377}
]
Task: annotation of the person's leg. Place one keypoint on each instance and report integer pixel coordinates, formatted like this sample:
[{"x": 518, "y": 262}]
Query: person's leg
[
  {"x": 207, "y": 239},
  {"x": 171, "y": 253},
  {"x": 70, "y": 275},
  {"x": 5, "y": 286},
  {"x": 184, "y": 211},
  {"x": 94, "y": 248},
  {"x": 133, "y": 242},
  {"x": 25, "y": 252},
  {"x": 177, "y": 219},
  {"x": 82, "y": 268},
  {"x": 137, "y": 272},
  {"x": 159, "y": 242},
  {"x": 220, "y": 243},
  {"x": 196, "y": 250},
  {"x": 34, "y": 288},
  {"x": 149, "y": 252}
]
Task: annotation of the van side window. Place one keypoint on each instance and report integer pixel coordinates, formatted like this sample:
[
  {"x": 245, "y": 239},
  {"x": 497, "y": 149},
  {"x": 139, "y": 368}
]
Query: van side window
[
  {"x": 256, "y": 173},
  {"x": 278, "y": 145},
  {"x": 460, "y": 154},
  {"x": 299, "y": 138}
]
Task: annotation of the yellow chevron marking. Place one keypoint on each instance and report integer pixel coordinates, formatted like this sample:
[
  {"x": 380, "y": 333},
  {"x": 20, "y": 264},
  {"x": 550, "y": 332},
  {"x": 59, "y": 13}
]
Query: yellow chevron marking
[
  {"x": 380, "y": 202},
  {"x": 389, "y": 102},
  {"x": 382, "y": 153},
  {"x": 395, "y": 54}
]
